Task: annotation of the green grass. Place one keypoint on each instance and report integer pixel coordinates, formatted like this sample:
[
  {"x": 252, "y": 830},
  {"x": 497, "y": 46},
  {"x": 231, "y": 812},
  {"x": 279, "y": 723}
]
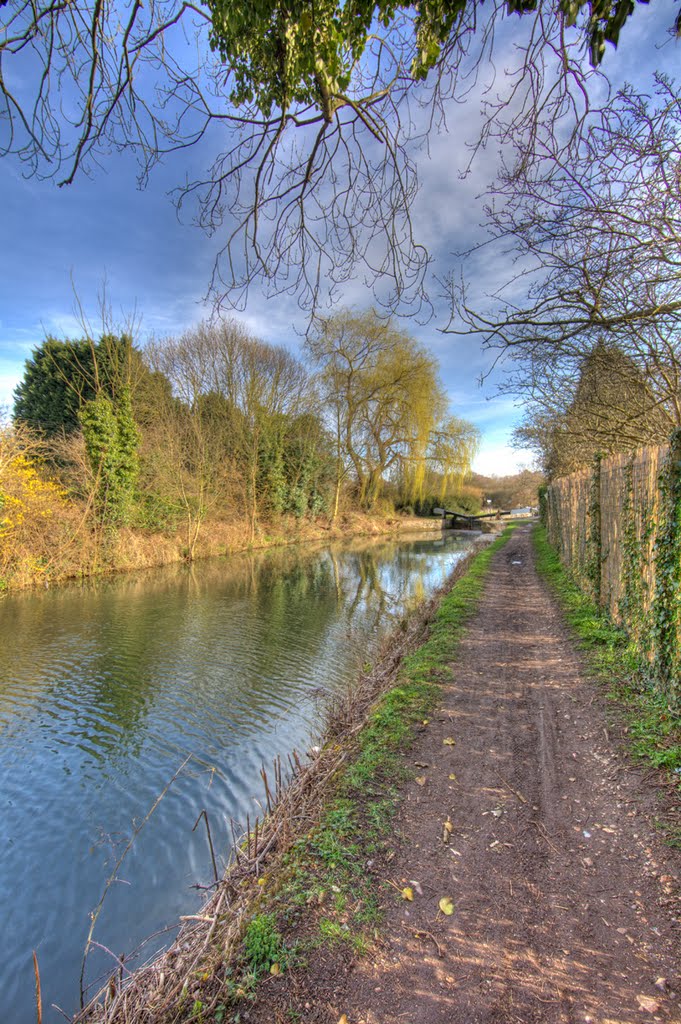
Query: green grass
[{"x": 653, "y": 731}]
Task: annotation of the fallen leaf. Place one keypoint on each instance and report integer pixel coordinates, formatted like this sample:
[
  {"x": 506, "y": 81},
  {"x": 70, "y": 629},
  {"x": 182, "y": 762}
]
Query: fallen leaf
[
  {"x": 421, "y": 764},
  {"x": 449, "y": 742},
  {"x": 274, "y": 969},
  {"x": 416, "y": 885},
  {"x": 425, "y": 721},
  {"x": 446, "y": 906},
  {"x": 408, "y": 894},
  {"x": 420, "y": 780},
  {"x": 453, "y": 777},
  {"x": 343, "y": 1019},
  {"x": 648, "y": 1004},
  {"x": 448, "y": 827}
]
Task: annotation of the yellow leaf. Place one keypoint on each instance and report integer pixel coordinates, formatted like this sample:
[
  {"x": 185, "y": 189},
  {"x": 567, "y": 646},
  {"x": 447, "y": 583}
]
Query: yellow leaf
[
  {"x": 449, "y": 742},
  {"x": 425, "y": 721},
  {"x": 274, "y": 969},
  {"x": 448, "y": 827},
  {"x": 446, "y": 906},
  {"x": 343, "y": 1019},
  {"x": 408, "y": 893},
  {"x": 453, "y": 777},
  {"x": 420, "y": 780}
]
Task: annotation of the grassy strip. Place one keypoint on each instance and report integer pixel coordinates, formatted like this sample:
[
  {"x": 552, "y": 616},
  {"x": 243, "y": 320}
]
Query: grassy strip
[
  {"x": 654, "y": 732},
  {"x": 326, "y": 893}
]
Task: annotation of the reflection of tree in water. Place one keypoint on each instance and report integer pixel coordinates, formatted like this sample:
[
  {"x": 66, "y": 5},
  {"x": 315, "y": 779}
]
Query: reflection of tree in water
[{"x": 226, "y": 633}]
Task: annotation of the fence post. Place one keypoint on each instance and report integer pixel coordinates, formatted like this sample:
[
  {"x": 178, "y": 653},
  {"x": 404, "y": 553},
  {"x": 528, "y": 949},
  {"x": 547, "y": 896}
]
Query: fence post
[
  {"x": 594, "y": 565},
  {"x": 667, "y": 601}
]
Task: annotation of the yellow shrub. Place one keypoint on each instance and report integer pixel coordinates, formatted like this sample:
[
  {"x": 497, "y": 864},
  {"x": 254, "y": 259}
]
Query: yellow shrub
[{"x": 33, "y": 514}]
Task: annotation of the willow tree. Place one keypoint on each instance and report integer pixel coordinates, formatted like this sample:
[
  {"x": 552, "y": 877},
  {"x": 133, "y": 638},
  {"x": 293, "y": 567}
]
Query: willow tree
[
  {"x": 453, "y": 446},
  {"x": 385, "y": 402}
]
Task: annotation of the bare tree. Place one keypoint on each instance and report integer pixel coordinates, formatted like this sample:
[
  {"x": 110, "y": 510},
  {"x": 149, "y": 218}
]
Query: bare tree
[
  {"x": 317, "y": 129},
  {"x": 594, "y": 236},
  {"x": 230, "y": 394},
  {"x": 606, "y": 405}
]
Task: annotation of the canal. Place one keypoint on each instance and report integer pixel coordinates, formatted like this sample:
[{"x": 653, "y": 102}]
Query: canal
[{"x": 106, "y": 689}]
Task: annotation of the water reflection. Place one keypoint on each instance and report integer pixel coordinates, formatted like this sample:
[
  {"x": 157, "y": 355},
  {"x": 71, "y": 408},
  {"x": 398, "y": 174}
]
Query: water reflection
[{"x": 104, "y": 690}]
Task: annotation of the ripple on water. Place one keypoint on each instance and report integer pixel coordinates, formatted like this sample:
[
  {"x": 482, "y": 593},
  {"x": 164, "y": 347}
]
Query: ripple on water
[{"x": 103, "y": 694}]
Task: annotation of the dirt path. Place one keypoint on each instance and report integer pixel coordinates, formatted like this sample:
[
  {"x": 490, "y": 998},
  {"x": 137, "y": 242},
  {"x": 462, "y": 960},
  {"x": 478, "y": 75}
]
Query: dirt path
[{"x": 563, "y": 894}]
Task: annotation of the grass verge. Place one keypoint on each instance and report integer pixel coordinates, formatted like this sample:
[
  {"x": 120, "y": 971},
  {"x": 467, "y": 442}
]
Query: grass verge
[{"x": 654, "y": 732}]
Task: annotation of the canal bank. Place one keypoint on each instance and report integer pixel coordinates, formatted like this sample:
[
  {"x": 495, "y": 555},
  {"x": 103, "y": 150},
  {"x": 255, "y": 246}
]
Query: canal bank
[
  {"x": 94, "y": 554},
  {"x": 481, "y": 836}
]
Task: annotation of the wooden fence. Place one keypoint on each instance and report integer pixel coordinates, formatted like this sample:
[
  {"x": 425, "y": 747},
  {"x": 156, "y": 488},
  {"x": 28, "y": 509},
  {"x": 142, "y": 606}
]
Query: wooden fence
[{"x": 617, "y": 527}]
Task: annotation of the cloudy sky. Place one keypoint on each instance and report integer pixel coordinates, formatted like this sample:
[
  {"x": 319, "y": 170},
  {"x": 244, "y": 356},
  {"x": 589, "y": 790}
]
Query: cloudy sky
[{"x": 104, "y": 231}]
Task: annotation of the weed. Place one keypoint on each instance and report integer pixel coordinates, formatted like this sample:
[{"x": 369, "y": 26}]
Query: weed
[{"x": 263, "y": 945}]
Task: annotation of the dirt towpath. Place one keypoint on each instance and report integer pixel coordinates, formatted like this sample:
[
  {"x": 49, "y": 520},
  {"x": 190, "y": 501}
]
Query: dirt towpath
[{"x": 564, "y": 896}]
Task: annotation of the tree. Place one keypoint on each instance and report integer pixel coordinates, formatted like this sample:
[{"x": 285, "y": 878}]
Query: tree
[
  {"x": 596, "y": 234},
  {"x": 237, "y": 398},
  {"x": 610, "y": 407},
  {"x": 58, "y": 379},
  {"x": 62, "y": 376},
  {"x": 111, "y": 443},
  {"x": 386, "y": 405},
  {"x": 324, "y": 108},
  {"x": 453, "y": 446}
]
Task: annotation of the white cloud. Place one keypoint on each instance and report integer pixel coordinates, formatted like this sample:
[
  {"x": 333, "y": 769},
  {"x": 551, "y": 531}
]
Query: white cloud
[{"x": 501, "y": 460}]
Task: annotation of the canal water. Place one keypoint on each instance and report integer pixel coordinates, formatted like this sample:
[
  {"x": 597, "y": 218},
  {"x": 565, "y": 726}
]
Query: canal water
[{"x": 105, "y": 691}]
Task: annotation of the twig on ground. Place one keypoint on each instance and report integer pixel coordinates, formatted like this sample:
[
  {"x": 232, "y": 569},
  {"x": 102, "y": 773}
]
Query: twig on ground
[{"x": 511, "y": 789}]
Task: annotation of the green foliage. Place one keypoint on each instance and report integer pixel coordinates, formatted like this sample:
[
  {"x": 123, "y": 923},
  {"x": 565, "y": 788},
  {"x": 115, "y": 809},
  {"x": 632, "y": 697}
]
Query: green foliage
[
  {"x": 263, "y": 944},
  {"x": 111, "y": 442},
  {"x": 62, "y": 376},
  {"x": 306, "y": 52},
  {"x": 638, "y": 528},
  {"x": 543, "y": 504},
  {"x": 58, "y": 379},
  {"x": 594, "y": 547},
  {"x": 667, "y": 601}
]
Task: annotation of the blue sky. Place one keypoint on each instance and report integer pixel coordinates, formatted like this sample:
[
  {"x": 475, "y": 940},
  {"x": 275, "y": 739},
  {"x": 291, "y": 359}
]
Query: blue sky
[{"x": 56, "y": 243}]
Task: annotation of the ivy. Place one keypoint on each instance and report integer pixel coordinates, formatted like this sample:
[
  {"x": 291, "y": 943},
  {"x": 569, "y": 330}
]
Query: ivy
[
  {"x": 594, "y": 552},
  {"x": 111, "y": 442},
  {"x": 667, "y": 602},
  {"x": 638, "y": 530}
]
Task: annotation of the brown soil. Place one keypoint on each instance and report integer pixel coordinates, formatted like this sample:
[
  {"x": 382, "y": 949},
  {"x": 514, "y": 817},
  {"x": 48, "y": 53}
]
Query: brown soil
[{"x": 564, "y": 894}]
